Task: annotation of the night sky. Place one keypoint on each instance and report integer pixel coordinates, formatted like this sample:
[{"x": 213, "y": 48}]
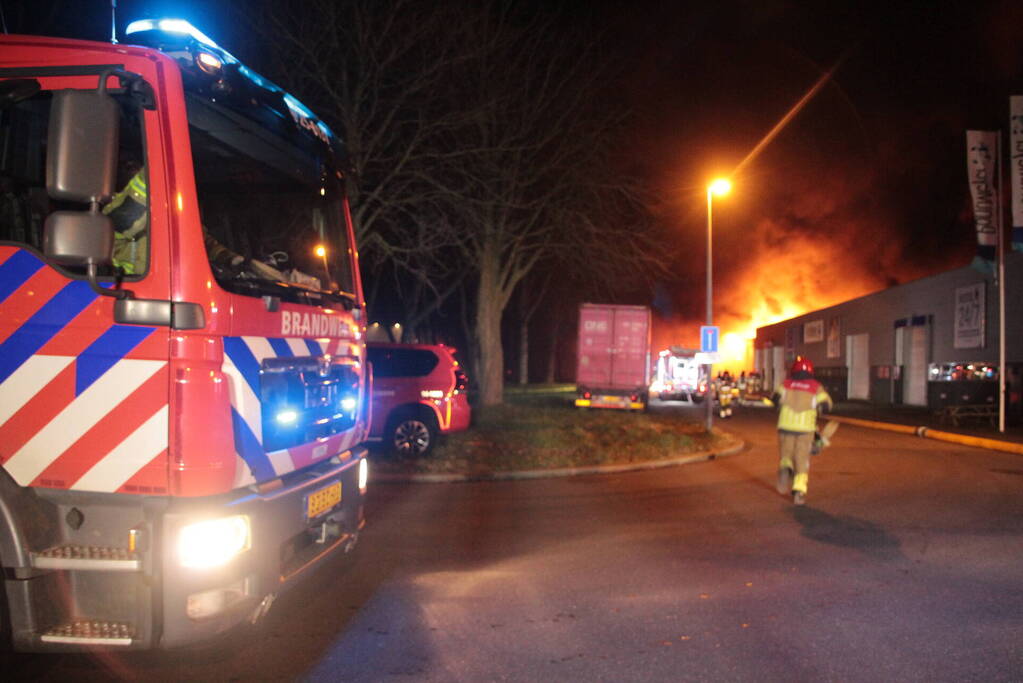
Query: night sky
[
  {"x": 864, "y": 189},
  {"x": 867, "y": 185}
]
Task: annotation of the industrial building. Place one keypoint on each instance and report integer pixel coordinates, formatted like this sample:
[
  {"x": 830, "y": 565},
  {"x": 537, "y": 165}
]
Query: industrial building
[{"x": 933, "y": 342}]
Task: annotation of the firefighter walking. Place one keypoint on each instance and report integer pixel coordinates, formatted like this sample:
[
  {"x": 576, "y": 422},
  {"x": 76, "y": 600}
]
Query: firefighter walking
[{"x": 799, "y": 398}]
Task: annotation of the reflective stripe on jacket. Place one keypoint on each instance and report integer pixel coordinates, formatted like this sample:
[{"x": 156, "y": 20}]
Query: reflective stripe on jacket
[
  {"x": 137, "y": 187},
  {"x": 128, "y": 210},
  {"x": 799, "y": 401}
]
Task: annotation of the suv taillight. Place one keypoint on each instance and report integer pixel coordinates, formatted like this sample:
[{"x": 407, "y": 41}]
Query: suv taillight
[{"x": 461, "y": 381}]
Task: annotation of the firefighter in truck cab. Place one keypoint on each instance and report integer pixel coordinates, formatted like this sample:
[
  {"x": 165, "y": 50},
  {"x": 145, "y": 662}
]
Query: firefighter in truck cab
[
  {"x": 799, "y": 399},
  {"x": 129, "y": 213}
]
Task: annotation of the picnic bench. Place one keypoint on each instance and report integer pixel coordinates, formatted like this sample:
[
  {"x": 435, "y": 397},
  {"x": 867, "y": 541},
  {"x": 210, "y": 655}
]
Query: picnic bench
[{"x": 964, "y": 413}]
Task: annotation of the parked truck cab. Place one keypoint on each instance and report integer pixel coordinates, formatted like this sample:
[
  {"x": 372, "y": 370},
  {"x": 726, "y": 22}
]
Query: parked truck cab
[{"x": 183, "y": 385}]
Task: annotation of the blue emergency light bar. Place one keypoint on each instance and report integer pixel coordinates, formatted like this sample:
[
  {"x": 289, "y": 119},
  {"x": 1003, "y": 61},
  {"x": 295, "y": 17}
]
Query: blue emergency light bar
[{"x": 180, "y": 27}]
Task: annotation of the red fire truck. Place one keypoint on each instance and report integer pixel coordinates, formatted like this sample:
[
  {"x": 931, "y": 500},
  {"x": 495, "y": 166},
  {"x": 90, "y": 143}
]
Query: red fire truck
[
  {"x": 678, "y": 377},
  {"x": 183, "y": 385}
]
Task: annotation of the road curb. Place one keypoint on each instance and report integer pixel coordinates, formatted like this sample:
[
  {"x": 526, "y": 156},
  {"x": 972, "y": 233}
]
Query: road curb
[
  {"x": 937, "y": 434},
  {"x": 430, "y": 478}
]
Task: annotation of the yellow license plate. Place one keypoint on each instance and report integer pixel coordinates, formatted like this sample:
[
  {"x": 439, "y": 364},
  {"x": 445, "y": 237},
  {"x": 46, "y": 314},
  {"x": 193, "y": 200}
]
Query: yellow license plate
[{"x": 320, "y": 501}]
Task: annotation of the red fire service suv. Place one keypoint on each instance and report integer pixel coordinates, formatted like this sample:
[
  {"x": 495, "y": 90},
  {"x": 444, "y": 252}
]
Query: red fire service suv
[
  {"x": 182, "y": 357},
  {"x": 419, "y": 392}
]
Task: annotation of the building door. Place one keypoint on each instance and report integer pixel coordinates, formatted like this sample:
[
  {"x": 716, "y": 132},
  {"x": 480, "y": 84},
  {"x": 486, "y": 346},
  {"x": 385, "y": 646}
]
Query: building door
[
  {"x": 914, "y": 383},
  {"x": 857, "y": 347},
  {"x": 898, "y": 376},
  {"x": 778, "y": 367}
]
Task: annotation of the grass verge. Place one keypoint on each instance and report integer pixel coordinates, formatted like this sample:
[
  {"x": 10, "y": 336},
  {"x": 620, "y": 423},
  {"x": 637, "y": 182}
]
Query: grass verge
[{"x": 540, "y": 428}]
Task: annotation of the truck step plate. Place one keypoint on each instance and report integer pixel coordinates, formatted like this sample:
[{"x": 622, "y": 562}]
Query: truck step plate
[
  {"x": 91, "y": 632},
  {"x": 90, "y": 557}
]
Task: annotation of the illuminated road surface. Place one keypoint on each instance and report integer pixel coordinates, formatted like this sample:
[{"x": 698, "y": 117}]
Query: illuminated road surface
[{"x": 906, "y": 564}]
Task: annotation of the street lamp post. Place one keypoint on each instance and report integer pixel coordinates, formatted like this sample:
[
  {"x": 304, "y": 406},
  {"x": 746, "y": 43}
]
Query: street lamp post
[{"x": 719, "y": 187}]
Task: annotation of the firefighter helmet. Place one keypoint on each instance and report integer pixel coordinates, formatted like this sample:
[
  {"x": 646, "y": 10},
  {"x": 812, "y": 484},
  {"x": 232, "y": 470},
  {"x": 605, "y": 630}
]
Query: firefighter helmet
[{"x": 801, "y": 364}]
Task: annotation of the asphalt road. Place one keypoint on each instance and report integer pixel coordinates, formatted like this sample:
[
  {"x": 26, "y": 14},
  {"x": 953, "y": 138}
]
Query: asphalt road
[{"x": 906, "y": 564}]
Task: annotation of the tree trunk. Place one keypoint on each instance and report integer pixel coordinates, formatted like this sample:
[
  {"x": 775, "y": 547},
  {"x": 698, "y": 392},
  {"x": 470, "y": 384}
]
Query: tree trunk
[
  {"x": 523, "y": 336},
  {"x": 489, "y": 307},
  {"x": 472, "y": 357},
  {"x": 552, "y": 358},
  {"x": 524, "y": 352}
]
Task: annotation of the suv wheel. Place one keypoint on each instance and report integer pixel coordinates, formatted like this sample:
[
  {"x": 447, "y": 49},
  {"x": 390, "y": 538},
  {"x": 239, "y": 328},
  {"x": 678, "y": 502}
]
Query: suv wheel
[{"x": 412, "y": 435}]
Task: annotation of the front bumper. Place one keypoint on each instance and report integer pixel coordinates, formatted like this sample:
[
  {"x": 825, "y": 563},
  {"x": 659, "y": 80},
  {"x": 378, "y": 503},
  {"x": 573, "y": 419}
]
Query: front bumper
[
  {"x": 91, "y": 588},
  {"x": 286, "y": 543}
]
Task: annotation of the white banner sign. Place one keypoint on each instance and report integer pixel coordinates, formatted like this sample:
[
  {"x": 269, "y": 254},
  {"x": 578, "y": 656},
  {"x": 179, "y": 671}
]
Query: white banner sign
[
  {"x": 1016, "y": 171},
  {"x": 982, "y": 167},
  {"x": 834, "y": 338},
  {"x": 969, "y": 326},
  {"x": 1016, "y": 154}
]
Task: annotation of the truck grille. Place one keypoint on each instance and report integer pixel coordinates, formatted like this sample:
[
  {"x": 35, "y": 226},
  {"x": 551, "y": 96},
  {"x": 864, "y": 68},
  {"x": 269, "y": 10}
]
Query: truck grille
[{"x": 88, "y": 557}]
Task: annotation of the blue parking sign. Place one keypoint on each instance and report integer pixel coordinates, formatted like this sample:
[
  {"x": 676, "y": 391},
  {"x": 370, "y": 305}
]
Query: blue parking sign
[{"x": 708, "y": 338}]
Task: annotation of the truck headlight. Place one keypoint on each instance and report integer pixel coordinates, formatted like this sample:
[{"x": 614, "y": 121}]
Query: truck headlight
[
  {"x": 213, "y": 542},
  {"x": 363, "y": 474}
]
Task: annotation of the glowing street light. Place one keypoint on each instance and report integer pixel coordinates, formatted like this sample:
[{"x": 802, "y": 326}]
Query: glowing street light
[
  {"x": 321, "y": 251},
  {"x": 718, "y": 187}
]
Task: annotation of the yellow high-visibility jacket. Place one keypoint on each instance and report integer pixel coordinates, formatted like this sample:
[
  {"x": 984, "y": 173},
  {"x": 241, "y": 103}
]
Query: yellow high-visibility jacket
[
  {"x": 799, "y": 400},
  {"x": 129, "y": 212}
]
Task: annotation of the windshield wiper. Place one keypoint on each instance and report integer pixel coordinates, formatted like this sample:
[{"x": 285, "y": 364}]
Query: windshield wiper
[
  {"x": 344, "y": 298},
  {"x": 295, "y": 293},
  {"x": 242, "y": 283}
]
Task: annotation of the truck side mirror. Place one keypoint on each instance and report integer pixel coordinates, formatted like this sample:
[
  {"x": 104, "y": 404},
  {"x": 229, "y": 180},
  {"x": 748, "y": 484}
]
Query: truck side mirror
[
  {"x": 76, "y": 238},
  {"x": 81, "y": 165},
  {"x": 81, "y": 154}
]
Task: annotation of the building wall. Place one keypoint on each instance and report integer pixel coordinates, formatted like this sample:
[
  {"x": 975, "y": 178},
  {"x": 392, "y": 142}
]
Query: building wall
[{"x": 928, "y": 303}]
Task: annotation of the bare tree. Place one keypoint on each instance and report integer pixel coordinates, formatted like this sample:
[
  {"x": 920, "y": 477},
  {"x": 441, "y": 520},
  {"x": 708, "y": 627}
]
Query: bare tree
[
  {"x": 480, "y": 140},
  {"x": 373, "y": 70},
  {"x": 538, "y": 181}
]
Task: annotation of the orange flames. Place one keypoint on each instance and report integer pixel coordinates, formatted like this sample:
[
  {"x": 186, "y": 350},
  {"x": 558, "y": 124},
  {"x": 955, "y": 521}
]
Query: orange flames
[
  {"x": 781, "y": 273},
  {"x": 783, "y": 279}
]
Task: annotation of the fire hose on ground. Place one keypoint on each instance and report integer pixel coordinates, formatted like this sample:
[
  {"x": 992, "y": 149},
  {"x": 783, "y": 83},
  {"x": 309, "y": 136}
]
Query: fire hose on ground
[{"x": 928, "y": 433}]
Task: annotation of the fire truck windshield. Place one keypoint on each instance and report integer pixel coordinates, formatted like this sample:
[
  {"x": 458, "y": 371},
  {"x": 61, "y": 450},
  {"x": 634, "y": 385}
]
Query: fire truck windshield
[{"x": 271, "y": 207}]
